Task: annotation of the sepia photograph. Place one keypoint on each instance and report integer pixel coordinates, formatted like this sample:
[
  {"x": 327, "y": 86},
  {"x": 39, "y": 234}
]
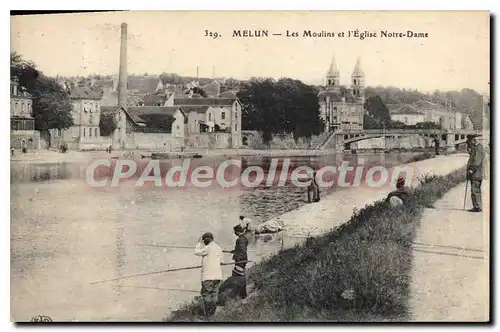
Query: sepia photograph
[{"x": 250, "y": 166}]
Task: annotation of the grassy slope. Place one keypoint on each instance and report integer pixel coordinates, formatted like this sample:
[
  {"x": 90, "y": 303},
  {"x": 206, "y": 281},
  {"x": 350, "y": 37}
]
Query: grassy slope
[{"x": 356, "y": 272}]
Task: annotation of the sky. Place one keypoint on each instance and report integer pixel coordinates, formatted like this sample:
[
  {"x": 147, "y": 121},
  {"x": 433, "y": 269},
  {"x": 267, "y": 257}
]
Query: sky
[{"x": 455, "y": 55}]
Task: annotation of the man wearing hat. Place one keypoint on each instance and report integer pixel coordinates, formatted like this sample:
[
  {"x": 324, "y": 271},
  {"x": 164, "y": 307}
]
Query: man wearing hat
[
  {"x": 436, "y": 144},
  {"x": 240, "y": 247},
  {"x": 402, "y": 192},
  {"x": 211, "y": 272},
  {"x": 314, "y": 189},
  {"x": 234, "y": 287},
  {"x": 475, "y": 172}
]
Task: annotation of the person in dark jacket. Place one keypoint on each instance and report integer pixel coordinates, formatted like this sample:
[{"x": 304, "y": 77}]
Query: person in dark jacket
[
  {"x": 235, "y": 287},
  {"x": 240, "y": 248},
  {"x": 314, "y": 189},
  {"x": 402, "y": 192},
  {"x": 475, "y": 172},
  {"x": 436, "y": 145}
]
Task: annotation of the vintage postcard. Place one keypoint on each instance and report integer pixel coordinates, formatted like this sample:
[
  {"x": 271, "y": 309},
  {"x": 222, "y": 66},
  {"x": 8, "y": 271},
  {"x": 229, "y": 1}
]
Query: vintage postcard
[{"x": 320, "y": 166}]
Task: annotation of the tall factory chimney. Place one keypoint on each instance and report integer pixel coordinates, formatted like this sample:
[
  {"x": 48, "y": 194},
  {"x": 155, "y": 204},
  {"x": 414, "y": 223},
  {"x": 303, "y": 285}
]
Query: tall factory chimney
[{"x": 122, "y": 79}]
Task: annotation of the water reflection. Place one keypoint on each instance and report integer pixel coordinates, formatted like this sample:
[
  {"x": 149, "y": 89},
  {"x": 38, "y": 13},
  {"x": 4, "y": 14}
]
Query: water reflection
[
  {"x": 28, "y": 173},
  {"x": 65, "y": 234}
]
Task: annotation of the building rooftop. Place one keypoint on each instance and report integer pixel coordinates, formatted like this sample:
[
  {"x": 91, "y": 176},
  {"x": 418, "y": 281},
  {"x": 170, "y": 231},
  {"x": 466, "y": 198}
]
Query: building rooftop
[
  {"x": 204, "y": 101},
  {"x": 197, "y": 109},
  {"x": 83, "y": 92},
  {"x": 407, "y": 110},
  {"x": 336, "y": 96},
  {"x": 113, "y": 109}
]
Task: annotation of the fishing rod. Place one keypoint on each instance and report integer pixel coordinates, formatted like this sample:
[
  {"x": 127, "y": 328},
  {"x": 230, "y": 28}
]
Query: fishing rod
[
  {"x": 160, "y": 288},
  {"x": 162, "y": 271},
  {"x": 176, "y": 247}
]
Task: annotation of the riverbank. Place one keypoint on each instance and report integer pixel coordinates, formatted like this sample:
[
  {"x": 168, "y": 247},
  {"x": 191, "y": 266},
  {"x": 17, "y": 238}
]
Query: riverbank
[
  {"x": 359, "y": 270},
  {"x": 71, "y": 156}
]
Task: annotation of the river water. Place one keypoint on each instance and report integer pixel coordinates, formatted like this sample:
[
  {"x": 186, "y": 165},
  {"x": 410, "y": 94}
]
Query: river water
[{"x": 66, "y": 234}]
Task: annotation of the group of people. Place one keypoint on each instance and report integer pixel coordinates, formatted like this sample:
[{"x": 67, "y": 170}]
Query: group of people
[
  {"x": 214, "y": 292},
  {"x": 475, "y": 174}
]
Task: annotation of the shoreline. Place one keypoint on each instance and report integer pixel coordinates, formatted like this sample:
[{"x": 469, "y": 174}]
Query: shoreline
[
  {"x": 309, "y": 213},
  {"x": 309, "y": 220},
  {"x": 50, "y": 156}
]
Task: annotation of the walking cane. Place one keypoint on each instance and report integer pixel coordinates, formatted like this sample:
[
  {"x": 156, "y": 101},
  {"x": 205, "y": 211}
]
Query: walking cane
[{"x": 465, "y": 196}]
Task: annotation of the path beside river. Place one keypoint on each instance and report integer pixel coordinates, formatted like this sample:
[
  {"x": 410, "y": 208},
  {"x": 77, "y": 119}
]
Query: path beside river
[{"x": 337, "y": 208}]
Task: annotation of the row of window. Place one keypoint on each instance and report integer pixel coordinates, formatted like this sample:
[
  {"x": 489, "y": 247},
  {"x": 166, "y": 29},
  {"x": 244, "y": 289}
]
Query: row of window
[
  {"x": 90, "y": 107},
  {"x": 88, "y": 131},
  {"x": 21, "y": 107},
  {"x": 22, "y": 124},
  {"x": 222, "y": 116}
]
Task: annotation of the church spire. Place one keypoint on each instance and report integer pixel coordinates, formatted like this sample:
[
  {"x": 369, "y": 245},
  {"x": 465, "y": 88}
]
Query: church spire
[
  {"x": 332, "y": 76},
  {"x": 358, "y": 72},
  {"x": 333, "y": 71},
  {"x": 358, "y": 82}
]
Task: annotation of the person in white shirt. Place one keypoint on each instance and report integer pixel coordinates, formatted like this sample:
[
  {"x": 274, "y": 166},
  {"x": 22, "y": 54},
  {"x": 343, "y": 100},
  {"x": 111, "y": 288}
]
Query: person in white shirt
[
  {"x": 211, "y": 272},
  {"x": 246, "y": 223}
]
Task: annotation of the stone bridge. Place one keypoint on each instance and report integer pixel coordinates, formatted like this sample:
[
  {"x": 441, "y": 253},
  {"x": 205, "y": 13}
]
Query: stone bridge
[{"x": 342, "y": 140}]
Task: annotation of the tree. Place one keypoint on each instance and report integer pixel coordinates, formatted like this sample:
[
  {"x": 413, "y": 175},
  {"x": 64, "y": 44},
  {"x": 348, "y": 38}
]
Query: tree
[
  {"x": 107, "y": 124},
  {"x": 199, "y": 91},
  {"x": 283, "y": 106},
  {"x": 375, "y": 106},
  {"x": 371, "y": 122},
  {"x": 51, "y": 104},
  {"x": 427, "y": 125}
]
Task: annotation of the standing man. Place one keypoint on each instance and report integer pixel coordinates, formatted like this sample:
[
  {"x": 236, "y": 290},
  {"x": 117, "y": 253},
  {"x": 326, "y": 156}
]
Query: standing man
[
  {"x": 240, "y": 247},
  {"x": 436, "y": 144},
  {"x": 211, "y": 272},
  {"x": 314, "y": 188},
  {"x": 475, "y": 172}
]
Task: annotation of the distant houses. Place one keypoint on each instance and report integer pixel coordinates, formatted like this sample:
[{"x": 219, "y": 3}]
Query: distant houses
[
  {"x": 426, "y": 111},
  {"x": 86, "y": 112},
  {"x": 22, "y": 123}
]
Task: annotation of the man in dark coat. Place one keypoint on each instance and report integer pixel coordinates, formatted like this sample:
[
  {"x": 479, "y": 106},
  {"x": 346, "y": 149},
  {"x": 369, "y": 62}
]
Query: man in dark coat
[
  {"x": 234, "y": 287},
  {"x": 402, "y": 192},
  {"x": 436, "y": 144},
  {"x": 314, "y": 189},
  {"x": 475, "y": 172},
  {"x": 240, "y": 247}
]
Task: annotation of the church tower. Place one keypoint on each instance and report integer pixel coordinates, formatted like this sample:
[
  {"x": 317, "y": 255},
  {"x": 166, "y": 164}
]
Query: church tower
[
  {"x": 332, "y": 76},
  {"x": 358, "y": 82}
]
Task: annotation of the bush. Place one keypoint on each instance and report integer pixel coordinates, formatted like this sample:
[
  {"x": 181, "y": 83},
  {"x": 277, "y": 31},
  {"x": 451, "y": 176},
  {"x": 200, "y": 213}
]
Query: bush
[{"x": 357, "y": 271}]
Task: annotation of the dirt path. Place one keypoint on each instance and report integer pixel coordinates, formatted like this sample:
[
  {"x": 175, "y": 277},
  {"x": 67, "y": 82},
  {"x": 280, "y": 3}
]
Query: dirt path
[{"x": 450, "y": 275}]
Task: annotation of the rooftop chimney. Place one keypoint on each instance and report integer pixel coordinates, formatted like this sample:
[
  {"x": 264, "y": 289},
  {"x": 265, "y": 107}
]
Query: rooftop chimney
[{"x": 122, "y": 78}]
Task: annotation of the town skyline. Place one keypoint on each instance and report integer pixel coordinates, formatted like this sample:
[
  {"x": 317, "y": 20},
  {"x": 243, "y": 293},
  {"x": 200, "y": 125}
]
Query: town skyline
[{"x": 90, "y": 45}]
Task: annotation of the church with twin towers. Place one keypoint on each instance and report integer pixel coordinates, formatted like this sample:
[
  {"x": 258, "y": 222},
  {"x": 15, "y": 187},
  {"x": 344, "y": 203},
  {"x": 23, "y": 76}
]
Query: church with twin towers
[{"x": 341, "y": 107}]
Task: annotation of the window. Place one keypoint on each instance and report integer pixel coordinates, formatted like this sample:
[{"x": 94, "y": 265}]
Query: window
[
  {"x": 236, "y": 115},
  {"x": 95, "y": 132},
  {"x": 209, "y": 116},
  {"x": 90, "y": 132},
  {"x": 223, "y": 115},
  {"x": 83, "y": 132},
  {"x": 235, "y": 127}
]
